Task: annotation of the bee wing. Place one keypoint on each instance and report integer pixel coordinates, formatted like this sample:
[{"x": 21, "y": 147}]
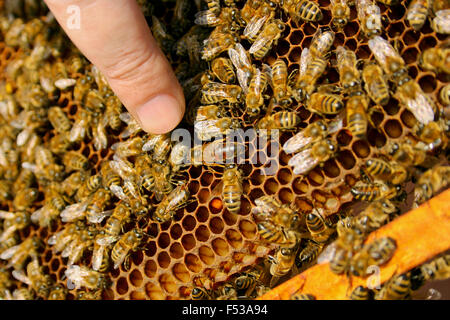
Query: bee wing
[
  {"x": 65, "y": 83},
  {"x": 442, "y": 21},
  {"x": 297, "y": 142},
  {"x": 327, "y": 254},
  {"x": 206, "y": 129},
  {"x": 100, "y": 138},
  {"x": 7, "y": 233},
  {"x": 256, "y": 80},
  {"x": 206, "y": 17},
  {"x": 118, "y": 192},
  {"x": 68, "y": 249},
  {"x": 254, "y": 26},
  {"x": 73, "y": 211},
  {"x": 97, "y": 257},
  {"x": 216, "y": 89},
  {"x": 303, "y": 161},
  {"x": 10, "y": 252},
  {"x": 336, "y": 124},
  {"x": 106, "y": 240},
  {"x": 38, "y": 214},
  {"x": 30, "y": 166},
  {"x": 76, "y": 253},
  {"x": 259, "y": 43},
  {"x": 23, "y": 136},
  {"x": 78, "y": 130},
  {"x": 151, "y": 142},
  {"x": 305, "y": 57},
  {"x": 243, "y": 77},
  {"x": 131, "y": 187},
  {"x": 6, "y": 214},
  {"x": 381, "y": 50},
  {"x": 99, "y": 216},
  {"x": 421, "y": 107},
  {"x": 21, "y": 276},
  {"x": 120, "y": 258}
]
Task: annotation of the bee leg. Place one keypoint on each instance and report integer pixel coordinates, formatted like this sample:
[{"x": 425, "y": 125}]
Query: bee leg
[{"x": 126, "y": 263}]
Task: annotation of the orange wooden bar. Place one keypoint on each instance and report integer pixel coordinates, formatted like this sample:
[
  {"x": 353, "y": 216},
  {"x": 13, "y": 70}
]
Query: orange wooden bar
[{"x": 421, "y": 234}]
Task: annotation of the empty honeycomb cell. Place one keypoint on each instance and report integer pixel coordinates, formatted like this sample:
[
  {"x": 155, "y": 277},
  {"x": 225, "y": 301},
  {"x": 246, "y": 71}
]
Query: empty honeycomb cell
[
  {"x": 202, "y": 233},
  {"x": 54, "y": 265},
  {"x": 153, "y": 230},
  {"x": 410, "y": 55},
  {"x": 154, "y": 291},
  {"x": 283, "y": 47},
  {"x": 411, "y": 37},
  {"x": 203, "y": 195},
  {"x": 150, "y": 249},
  {"x": 343, "y": 137},
  {"x": 163, "y": 240},
  {"x": 413, "y": 71},
  {"x": 247, "y": 228},
  {"x": 395, "y": 29},
  {"x": 303, "y": 205},
  {"x": 193, "y": 187},
  {"x": 392, "y": 107},
  {"x": 363, "y": 52},
  {"x": 48, "y": 256},
  {"x": 189, "y": 223},
  {"x": 192, "y": 262},
  {"x": 220, "y": 246},
  {"x": 393, "y": 128},
  {"x": 256, "y": 193},
  {"x": 270, "y": 186},
  {"x": 315, "y": 177},
  {"x": 181, "y": 273},
  {"x": 245, "y": 207},
  {"x": 163, "y": 259},
  {"x": 428, "y": 83},
  {"x": 319, "y": 196},
  {"x": 168, "y": 283},
  {"x": 207, "y": 255},
  {"x": 331, "y": 169},
  {"x": 122, "y": 286},
  {"x": 107, "y": 294},
  {"x": 191, "y": 207},
  {"x": 195, "y": 172},
  {"x": 408, "y": 118},
  {"x": 216, "y": 225},
  {"x": 346, "y": 159},
  {"x": 300, "y": 185},
  {"x": 427, "y": 42},
  {"x": 286, "y": 195},
  {"x": 206, "y": 179},
  {"x": 284, "y": 175},
  {"x": 115, "y": 273},
  {"x": 188, "y": 242},
  {"x": 234, "y": 238},
  {"x": 229, "y": 218},
  {"x": 351, "y": 44},
  {"x": 295, "y": 53},
  {"x": 361, "y": 148},
  {"x": 202, "y": 214},
  {"x": 395, "y": 12},
  {"x": 135, "y": 278},
  {"x": 376, "y": 138},
  {"x": 150, "y": 268},
  {"x": 138, "y": 295},
  {"x": 137, "y": 257},
  {"x": 176, "y": 250},
  {"x": 296, "y": 36}
]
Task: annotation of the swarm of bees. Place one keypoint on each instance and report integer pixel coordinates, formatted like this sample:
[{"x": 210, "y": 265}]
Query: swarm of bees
[{"x": 99, "y": 215}]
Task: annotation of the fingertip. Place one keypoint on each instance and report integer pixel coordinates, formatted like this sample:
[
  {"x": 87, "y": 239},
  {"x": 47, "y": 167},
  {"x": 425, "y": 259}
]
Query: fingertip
[{"x": 161, "y": 114}]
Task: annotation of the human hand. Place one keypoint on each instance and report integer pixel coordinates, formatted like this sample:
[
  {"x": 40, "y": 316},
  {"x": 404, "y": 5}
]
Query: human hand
[{"x": 114, "y": 36}]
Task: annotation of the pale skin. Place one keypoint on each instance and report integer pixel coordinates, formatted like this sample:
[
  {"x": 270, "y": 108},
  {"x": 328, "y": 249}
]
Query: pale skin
[{"x": 114, "y": 36}]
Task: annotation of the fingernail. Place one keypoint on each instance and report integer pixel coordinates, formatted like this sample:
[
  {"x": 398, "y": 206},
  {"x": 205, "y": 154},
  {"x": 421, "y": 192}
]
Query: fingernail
[{"x": 161, "y": 114}]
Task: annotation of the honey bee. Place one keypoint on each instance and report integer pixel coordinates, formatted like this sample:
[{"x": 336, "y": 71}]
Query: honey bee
[
  {"x": 223, "y": 70},
  {"x": 357, "y": 106},
  {"x": 25, "y": 180},
  {"x": 74, "y": 160},
  {"x": 268, "y": 37},
  {"x": 110, "y": 179},
  {"x": 232, "y": 189},
  {"x": 199, "y": 293},
  {"x": 88, "y": 187},
  {"x": 157, "y": 178},
  {"x": 440, "y": 22},
  {"x": 254, "y": 99},
  {"x": 100, "y": 255},
  {"x": 397, "y": 288},
  {"x": 321, "y": 43},
  {"x": 58, "y": 292},
  {"x": 82, "y": 276},
  {"x": 227, "y": 16},
  {"x": 59, "y": 120},
  {"x": 218, "y": 43},
  {"x": 320, "y": 231},
  {"x": 264, "y": 13},
  {"x": 130, "y": 241},
  {"x": 226, "y": 292},
  {"x": 24, "y": 198},
  {"x": 13, "y": 222},
  {"x": 242, "y": 62},
  {"x": 375, "y": 84},
  {"x": 202, "y": 113},
  {"x": 325, "y": 103},
  {"x": 281, "y": 90},
  {"x": 60, "y": 143},
  {"x": 54, "y": 204},
  {"x": 18, "y": 254},
  {"x": 348, "y": 72},
  {"x": 302, "y": 296},
  {"x": 128, "y": 148},
  {"x": 91, "y": 295},
  {"x": 160, "y": 144},
  {"x": 100, "y": 137},
  {"x": 444, "y": 95},
  {"x": 9, "y": 242},
  {"x": 340, "y": 12},
  {"x": 95, "y": 209},
  {"x": 247, "y": 282},
  {"x": 405, "y": 153},
  {"x": 248, "y": 11},
  {"x": 113, "y": 110},
  {"x": 215, "y": 152},
  {"x": 417, "y": 13},
  {"x": 172, "y": 202},
  {"x": 5, "y": 282},
  {"x": 386, "y": 171},
  {"x": 162, "y": 37},
  {"x": 436, "y": 59},
  {"x": 282, "y": 262},
  {"x": 214, "y": 92},
  {"x": 80, "y": 128},
  {"x": 374, "y": 216},
  {"x": 308, "y": 254},
  {"x": 377, "y": 190},
  {"x": 315, "y": 154},
  {"x": 214, "y": 6},
  {"x": 23, "y": 294},
  {"x": 431, "y": 182},
  {"x": 284, "y": 120},
  {"x": 311, "y": 69},
  {"x": 361, "y": 293},
  {"x": 377, "y": 252},
  {"x": 35, "y": 278},
  {"x": 302, "y": 10},
  {"x": 212, "y": 128},
  {"x": 83, "y": 240},
  {"x": 133, "y": 127},
  {"x": 369, "y": 16},
  {"x": 388, "y": 58},
  {"x": 437, "y": 269}
]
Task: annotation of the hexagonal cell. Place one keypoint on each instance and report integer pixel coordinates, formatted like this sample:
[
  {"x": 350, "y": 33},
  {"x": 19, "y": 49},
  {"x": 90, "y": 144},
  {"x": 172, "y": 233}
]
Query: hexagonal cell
[
  {"x": 202, "y": 214},
  {"x": 408, "y": 118},
  {"x": 181, "y": 273},
  {"x": 137, "y": 257},
  {"x": 248, "y": 229},
  {"x": 410, "y": 55},
  {"x": 154, "y": 291},
  {"x": 163, "y": 259},
  {"x": 286, "y": 195},
  {"x": 295, "y": 37},
  {"x": 361, "y": 149},
  {"x": 331, "y": 169},
  {"x": 300, "y": 185},
  {"x": 176, "y": 250},
  {"x": 284, "y": 175},
  {"x": 315, "y": 177},
  {"x": 168, "y": 283},
  {"x": 138, "y": 295},
  {"x": 175, "y": 231},
  {"x": 207, "y": 255},
  {"x": 150, "y": 268},
  {"x": 188, "y": 242},
  {"x": 220, "y": 246},
  {"x": 376, "y": 138},
  {"x": 192, "y": 262},
  {"x": 270, "y": 186},
  {"x": 234, "y": 238},
  {"x": 346, "y": 159},
  {"x": 202, "y": 233},
  {"x": 189, "y": 223},
  {"x": 122, "y": 286},
  {"x": 428, "y": 83},
  {"x": 135, "y": 278},
  {"x": 163, "y": 240},
  {"x": 206, "y": 178},
  {"x": 393, "y": 128},
  {"x": 150, "y": 249},
  {"x": 283, "y": 47},
  {"x": 216, "y": 225}
]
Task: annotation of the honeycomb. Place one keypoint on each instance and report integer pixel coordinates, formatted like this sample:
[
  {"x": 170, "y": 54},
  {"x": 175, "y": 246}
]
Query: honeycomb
[{"x": 203, "y": 240}]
